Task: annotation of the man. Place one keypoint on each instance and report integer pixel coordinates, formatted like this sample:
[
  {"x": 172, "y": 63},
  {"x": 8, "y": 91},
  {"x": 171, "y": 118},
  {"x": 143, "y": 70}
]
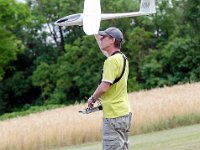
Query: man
[{"x": 113, "y": 91}]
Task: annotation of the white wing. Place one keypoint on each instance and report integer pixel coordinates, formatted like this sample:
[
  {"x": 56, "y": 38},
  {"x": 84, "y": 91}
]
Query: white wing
[
  {"x": 91, "y": 16},
  {"x": 147, "y": 7}
]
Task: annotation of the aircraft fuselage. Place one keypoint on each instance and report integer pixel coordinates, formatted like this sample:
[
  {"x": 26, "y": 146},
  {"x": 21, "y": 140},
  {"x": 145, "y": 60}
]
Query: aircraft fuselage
[{"x": 71, "y": 20}]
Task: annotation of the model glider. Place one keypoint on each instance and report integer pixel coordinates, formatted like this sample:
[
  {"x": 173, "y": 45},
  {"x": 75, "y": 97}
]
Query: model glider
[
  {"x": 91, "y": 110},
  {"x": 91, "y": 17}
]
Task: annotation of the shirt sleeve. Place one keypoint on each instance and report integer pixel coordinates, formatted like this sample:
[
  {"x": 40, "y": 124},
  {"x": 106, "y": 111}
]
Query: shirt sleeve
[{"x": 109, "y": 71}]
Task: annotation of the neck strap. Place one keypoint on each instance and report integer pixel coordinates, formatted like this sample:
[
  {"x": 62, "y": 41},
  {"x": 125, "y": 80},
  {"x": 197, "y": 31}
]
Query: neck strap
[{"x": 116, "y": 53}]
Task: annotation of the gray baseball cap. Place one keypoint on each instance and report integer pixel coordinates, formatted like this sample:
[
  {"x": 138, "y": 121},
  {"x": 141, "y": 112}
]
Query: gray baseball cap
[{"x": 113, "y": 32}]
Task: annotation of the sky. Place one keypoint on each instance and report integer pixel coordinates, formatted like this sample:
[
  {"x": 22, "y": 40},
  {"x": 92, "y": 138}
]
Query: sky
[{"x": 23, "y": 1}]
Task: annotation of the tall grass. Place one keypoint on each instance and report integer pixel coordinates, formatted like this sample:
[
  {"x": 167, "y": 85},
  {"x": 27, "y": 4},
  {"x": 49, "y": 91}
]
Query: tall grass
[
  {"x": 165, "y": 104},
  {"x": 152, "y": 110}
]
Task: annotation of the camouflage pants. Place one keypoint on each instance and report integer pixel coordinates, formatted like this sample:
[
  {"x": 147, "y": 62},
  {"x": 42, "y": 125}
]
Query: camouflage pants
[{"x": 115, "y": 132}]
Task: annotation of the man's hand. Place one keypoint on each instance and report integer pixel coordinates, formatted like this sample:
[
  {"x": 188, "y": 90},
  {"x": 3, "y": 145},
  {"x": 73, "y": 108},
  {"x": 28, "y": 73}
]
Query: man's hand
[{"x": 91, "y": 102}]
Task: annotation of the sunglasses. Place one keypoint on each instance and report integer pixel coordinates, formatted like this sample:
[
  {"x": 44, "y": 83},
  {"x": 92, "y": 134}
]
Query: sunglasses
[{"x": 104, "y": 36}]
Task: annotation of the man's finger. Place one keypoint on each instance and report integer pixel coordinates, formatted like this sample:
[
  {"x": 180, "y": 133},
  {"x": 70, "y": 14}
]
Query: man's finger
[{"x": 90, "y": 105}]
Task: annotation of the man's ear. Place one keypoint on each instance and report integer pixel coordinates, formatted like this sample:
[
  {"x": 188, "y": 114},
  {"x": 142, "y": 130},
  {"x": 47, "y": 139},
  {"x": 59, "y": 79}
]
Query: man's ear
[{"x": 113, "y": 40}]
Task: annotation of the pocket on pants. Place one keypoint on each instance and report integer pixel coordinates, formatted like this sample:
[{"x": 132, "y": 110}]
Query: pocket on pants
[
  {"x": 129, "y": 119},
  {"x": 110, "y": 135}
]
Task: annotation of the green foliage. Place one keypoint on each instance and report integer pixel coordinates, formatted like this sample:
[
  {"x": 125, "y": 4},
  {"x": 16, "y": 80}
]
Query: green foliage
[
  {"x": 74, "y": 76},
  {"x": 177, "y": 62},
  {"x": 191, "y": 16},
  {"x": 12, "y": 16},
  {"x": 136, "y": 52},
  {"x": 9, "y": 47},
  {"x": 79, "y": 68},
  {"x": 15, "y": 92},
  {"x": 42, "y": 77}
]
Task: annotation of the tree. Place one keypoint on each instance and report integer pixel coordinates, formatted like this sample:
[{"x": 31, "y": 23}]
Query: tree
[
  {"x": 74, "y": 76},
  {"x": 12, "y": 14},
  {"x": 191, "y": 14},
  {"x": 177, "y": 62}
]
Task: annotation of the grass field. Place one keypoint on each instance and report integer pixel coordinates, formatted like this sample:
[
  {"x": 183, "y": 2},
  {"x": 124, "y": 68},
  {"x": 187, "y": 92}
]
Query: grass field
[
  {"x": 156, "y": 109},
  {"x": 182, "y": 138}
]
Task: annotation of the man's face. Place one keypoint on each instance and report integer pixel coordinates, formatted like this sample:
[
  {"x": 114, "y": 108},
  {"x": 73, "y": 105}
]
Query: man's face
[{"x": 106, "y": 42}]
